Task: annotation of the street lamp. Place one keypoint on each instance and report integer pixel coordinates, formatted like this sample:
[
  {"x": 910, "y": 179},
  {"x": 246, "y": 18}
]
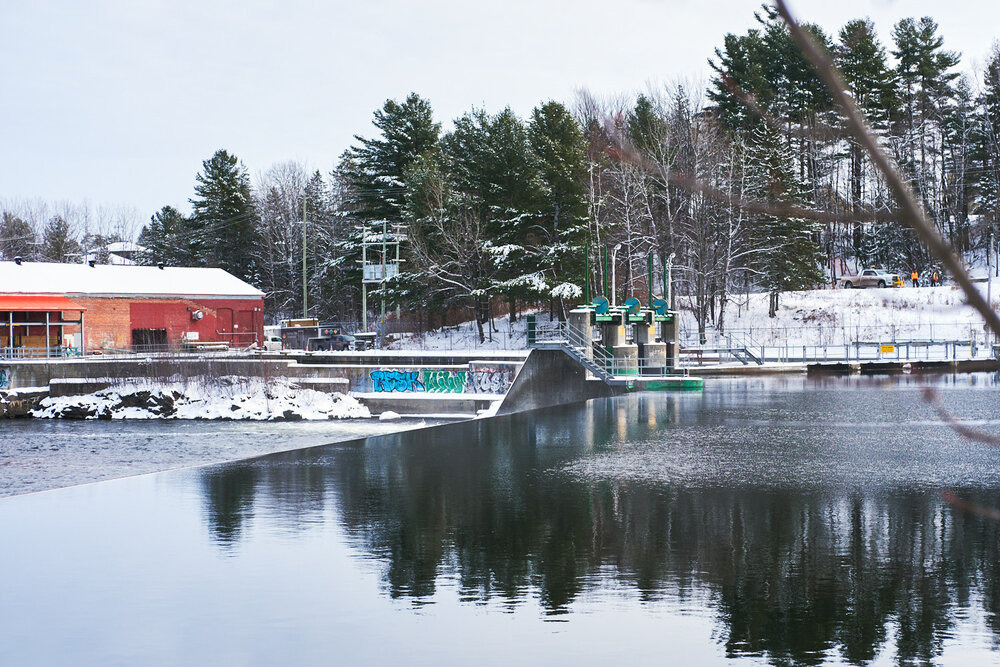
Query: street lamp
[
  {"x": 670, "y": 281},
  {"x": 614, "y": 252}
]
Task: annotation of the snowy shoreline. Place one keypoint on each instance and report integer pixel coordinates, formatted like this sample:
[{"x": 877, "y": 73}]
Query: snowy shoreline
[{"x": 227, "y": 398}]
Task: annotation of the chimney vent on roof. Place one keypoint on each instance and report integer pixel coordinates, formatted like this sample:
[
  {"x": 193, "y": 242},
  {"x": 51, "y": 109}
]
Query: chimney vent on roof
[
  {"x": 17, "y": 260},
  {"x": 91, "y": 262}
]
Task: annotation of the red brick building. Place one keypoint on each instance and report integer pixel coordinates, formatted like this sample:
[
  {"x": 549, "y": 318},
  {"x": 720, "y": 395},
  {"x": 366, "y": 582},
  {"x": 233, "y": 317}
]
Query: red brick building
[{"x": 120, "y": 307}]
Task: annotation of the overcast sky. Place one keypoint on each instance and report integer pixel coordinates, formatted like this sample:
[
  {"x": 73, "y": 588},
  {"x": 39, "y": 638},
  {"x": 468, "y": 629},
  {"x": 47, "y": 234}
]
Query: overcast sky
[{"x": 118, "y": 102}]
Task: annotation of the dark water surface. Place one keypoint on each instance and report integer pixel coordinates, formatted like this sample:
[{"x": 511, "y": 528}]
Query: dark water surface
[{"x": 763, "y": 521}]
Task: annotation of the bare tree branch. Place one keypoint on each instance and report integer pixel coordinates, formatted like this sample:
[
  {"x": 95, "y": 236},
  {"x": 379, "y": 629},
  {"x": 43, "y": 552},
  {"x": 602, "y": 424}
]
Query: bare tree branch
[{"x": 910, "y": 211}]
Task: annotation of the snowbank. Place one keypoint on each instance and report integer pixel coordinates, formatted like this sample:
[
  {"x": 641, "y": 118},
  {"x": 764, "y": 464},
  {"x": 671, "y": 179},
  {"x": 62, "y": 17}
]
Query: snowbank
[
  {"x": 840, "y": 316},
  {"x": 228, "y": 398}
]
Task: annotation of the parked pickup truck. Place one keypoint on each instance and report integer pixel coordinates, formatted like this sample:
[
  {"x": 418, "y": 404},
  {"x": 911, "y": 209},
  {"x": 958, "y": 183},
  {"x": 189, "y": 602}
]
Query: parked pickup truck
[{"x": 872, "y": 278}]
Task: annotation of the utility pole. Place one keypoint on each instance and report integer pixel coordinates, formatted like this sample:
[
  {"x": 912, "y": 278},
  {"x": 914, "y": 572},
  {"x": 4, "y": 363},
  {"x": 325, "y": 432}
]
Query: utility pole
[
  {"x": 382, "y": 284},
  {"x": 989, "y": 278},
  {"x": 364, "y": 278},
  {"x": 305, "y": 291}
]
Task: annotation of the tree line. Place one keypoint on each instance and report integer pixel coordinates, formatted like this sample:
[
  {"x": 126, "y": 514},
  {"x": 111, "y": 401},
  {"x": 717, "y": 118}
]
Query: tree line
[{"x": 498, "y": 212}]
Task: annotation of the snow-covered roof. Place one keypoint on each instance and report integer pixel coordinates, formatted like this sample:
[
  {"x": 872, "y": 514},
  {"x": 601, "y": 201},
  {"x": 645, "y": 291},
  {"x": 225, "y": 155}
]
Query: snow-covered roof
[{"x": 107, "y": 280}]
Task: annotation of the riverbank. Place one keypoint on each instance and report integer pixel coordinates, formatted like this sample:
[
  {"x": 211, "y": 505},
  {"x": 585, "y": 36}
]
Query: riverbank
[{"x": 222, "y": 398}]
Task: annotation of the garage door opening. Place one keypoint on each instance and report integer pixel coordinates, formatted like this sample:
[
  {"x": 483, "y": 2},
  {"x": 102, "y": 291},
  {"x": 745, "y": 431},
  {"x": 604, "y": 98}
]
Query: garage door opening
[{"x": 149, "y": 340}]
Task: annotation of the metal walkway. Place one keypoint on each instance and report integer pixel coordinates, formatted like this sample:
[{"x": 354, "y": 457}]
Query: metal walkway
[{"x": 572, "y": 341}]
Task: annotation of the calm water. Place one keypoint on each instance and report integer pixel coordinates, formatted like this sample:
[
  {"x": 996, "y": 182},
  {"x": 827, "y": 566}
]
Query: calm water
[
  {"x": 774, "y": 521},
  {"x": 41, "y": 454}
]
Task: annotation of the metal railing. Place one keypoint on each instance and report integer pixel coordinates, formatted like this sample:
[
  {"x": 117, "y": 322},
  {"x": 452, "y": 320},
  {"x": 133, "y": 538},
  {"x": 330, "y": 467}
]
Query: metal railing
[
  {"x": 509, "y": 339},
  {"x": 856, "y": 351},
  {"x": 819, "y": 334},
  {"x": 54, "y": 352}
]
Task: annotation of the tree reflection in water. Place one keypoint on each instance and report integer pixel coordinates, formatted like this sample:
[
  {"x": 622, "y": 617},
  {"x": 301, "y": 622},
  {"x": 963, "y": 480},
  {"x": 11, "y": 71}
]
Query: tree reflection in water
[{"x": 797, "y": 572}]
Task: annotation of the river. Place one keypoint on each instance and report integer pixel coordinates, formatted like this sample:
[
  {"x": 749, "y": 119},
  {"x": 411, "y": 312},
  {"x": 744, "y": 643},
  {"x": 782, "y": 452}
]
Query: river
[{"x": 771, "y": 520}]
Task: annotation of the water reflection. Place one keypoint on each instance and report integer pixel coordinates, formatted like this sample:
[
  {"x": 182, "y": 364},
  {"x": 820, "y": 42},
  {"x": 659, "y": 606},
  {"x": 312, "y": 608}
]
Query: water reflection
[
  {"x": 846, "y": 550},
  {"x": 229, "y": 498}
]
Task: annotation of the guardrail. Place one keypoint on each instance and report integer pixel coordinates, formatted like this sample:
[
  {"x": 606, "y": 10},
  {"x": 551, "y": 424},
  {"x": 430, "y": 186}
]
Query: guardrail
[
  {"x": 899, "y": 350},
  {"x": 56, "y": 352},
  {"x": 145, "y": 351},
  {"x": 820, "y": 334}
]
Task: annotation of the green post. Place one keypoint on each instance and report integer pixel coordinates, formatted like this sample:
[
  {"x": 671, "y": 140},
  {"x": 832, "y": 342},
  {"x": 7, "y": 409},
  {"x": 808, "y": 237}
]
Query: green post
[
  {"x": 665, "y": 280},
  {"x": 586, "y": 273},
  {"x": 604, "y": 270},
  {"x": 649, "y": 263}
]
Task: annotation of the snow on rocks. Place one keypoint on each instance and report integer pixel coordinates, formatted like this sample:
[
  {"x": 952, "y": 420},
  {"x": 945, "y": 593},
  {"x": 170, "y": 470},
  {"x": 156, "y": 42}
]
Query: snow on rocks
[{"x": 228, "y": 398}]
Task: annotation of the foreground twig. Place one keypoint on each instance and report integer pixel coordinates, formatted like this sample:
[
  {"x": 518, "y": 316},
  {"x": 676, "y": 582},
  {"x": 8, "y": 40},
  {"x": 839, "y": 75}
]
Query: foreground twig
[
  {"x": 972, "y": 434},
  {"x": 971, "y": 508},
  {"x": 909, "y": 210}
]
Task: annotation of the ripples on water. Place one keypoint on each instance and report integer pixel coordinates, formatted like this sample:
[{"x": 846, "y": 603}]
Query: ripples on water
[{"x": 764, "y": 521}]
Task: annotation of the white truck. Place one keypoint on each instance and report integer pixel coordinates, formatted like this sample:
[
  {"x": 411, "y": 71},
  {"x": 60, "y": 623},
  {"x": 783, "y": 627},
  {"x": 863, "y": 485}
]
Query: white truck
[{"x": 872, "y": 278}]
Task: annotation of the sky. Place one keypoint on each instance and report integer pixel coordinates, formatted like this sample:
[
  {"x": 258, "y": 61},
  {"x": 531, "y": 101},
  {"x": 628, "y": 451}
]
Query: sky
[{"x": 117, "y": 102}]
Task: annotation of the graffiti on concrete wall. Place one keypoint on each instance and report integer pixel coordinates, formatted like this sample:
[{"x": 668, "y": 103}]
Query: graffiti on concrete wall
[
  {"x": 390, "y": 380},
  {"x": 443, "y": 381},
  {"x": 6, "y": 377},
  {"x": 490, "y": 380}
]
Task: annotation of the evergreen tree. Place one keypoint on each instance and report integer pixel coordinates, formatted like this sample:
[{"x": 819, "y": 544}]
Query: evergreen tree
[
  {"x": 493, "y": 172},
  {"x": 790, "y": 258},
  {"x": 374, "y": 168},
  {"x": 988, "y": 144},
  {"x": 17, "y": 238},
  {"x": 924, "y": 74},
  {"x": 224, "y": 230},
  {"x": 371, "y": 179},
  {"x": 59, "y": 243},
  {"x": 861, "y": 59},
  {"x": 740, "y": 69},
  {"x": 166, "y": 239},
  {"x": 558, "y": 145}
]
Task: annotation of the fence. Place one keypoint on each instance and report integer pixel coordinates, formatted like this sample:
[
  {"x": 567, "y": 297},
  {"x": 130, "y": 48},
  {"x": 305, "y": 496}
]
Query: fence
[
  {"x": 819, "y": 334},
  {"x": 899, "y": 350}
]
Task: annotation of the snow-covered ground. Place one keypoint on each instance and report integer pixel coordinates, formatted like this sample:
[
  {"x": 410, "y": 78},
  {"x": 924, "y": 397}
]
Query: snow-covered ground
[
  {"x": 841, "y": 316},
  {"x": 816, "y": 317},
  {"x": 502, "y": 336},
  {"x": 228, "y": 398}
]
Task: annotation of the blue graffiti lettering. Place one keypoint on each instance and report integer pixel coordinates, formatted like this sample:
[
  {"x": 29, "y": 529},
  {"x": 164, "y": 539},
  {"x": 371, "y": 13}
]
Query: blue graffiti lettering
[{"x": 388, "y": 381}]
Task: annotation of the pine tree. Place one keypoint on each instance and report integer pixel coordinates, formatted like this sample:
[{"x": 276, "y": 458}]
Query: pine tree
[
  {"x": 924, "y": 75},
  {"x": 557, "y": 142},
  {"x": 861, "y": 59},
  {"x": 740, "y": 68},
  {"x": 223, "y": 226},
  {"x": 165, "y": 239},
  {"x": 59, "y": 243},
  {"x": 988, "y": 144},
  {"x": 493, "y": 171},
  {"x": 371, "y": 179},
  {"x": 374, "y": 168},
  {"x": 790, "y": 258},
  {"x": 17, "y": 238}
]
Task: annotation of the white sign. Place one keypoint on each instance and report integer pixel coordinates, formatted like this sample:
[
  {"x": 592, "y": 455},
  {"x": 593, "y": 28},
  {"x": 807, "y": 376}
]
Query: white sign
[{"x": 373, "y": 272}]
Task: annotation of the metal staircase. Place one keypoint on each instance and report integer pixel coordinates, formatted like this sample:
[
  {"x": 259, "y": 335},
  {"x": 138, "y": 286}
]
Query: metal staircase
[
  {"x": 745, "y": 356},
  {"x": 572, "y": 341}
]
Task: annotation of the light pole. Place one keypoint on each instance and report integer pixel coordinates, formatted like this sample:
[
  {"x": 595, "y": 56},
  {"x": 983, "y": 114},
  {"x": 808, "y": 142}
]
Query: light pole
[
  {"x": 614, "y": 253},
  {"x": 670, "y": 281},
  {"x": 305, "y": 284}
]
